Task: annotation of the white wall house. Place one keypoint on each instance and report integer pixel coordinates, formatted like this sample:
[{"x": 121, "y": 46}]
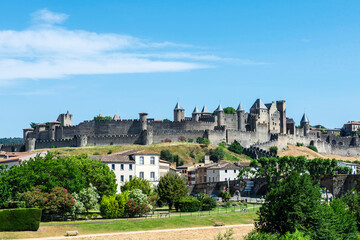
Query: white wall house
[
  {"x": 130, "y": 163},
  {"x": 16, "y": 158},
  {"x": 353, "y": 166},
  {"x": 223, "y": 171}
]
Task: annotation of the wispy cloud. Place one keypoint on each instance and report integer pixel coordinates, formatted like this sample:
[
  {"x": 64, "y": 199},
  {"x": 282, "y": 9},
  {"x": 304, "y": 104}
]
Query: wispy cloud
[{"x": 46, "y": 50}]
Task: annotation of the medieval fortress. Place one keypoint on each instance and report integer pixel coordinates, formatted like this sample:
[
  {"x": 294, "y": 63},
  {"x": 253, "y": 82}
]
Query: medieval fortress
[{"x": 265, "y": 125}]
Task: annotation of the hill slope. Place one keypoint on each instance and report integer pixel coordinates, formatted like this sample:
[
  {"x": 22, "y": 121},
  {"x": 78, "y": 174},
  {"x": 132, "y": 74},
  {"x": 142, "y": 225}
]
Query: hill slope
[{"x": 189, "y": 152}]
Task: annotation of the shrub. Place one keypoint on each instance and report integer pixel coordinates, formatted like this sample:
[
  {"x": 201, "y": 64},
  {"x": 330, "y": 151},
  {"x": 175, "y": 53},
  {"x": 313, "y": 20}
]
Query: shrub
[
  {"x": 190, "y": 140},
  {"x": 20, "y": 219},
  {"x": 226, "y": 204},
  {"x": 222, "y": 145},
  {"x": 114, "y": 206},
  {"x": 189, "y": 204},
  {"x": 273, "y": 150},
  {"x": 225, "y": 196},
  {"x": 96, "y": 153},
  {"x": 299, "y": 144},
  {"x": 236, "y": 147},
  {"x": 110, "y": 152},
  {"x": 312, "y": 147},
  {"x": 16, "y": 204},
  {"x": 216, "y": 154},
  {"x": 182, "y": 139},
  {"x": 133, "y": 208},
  {"x": 89, "y": 197},
  {"x": 254, "y": 235},
  {"x": 167, "y": 140},
  {"x": 208, "y": 203},
  {"x": 137, "y": 183},
  {"x": 204, "y": 141}
]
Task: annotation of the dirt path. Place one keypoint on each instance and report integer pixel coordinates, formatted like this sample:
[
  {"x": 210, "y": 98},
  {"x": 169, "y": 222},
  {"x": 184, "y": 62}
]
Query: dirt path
[{"x": 165, "y": 234}]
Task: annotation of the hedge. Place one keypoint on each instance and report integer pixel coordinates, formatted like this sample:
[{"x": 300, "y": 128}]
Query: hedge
[
  {"x": 189, "y": 204},
  {"x": 20, "y": 219}
]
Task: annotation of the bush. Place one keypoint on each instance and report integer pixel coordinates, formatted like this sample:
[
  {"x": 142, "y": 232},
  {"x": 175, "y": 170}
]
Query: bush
[
  {"x": 273, "y": 150},
  {"x": 299, "y": 144},
  {"x": 96, "y": 153},
  {"x": 268, "y": 236},
  {"x": 312, "y": 147},
  {"x": 236, "y": 147},
  {"x": 20, "y": 219},
  {"x": 189, "y": 204},
  {"x": 225, "y": 196},
  {"x": 134, "y": 208},
  {"x": 137, "y": 183},
  {"x": 190, "y": 140},
  {"x": 204, "y": 141},
  {"x": 16, "y": 204},
  {"x": 182, "y": 139},
  {"x": 110, "y": 152},
  {"x": 208, "y": 203},
  {"x": 114, "y": 206}
]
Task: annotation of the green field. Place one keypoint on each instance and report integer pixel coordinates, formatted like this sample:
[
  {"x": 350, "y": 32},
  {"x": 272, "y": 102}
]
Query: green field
[
  {"x": 183, "y": 149},
  {"x": 106, "y": 226}
]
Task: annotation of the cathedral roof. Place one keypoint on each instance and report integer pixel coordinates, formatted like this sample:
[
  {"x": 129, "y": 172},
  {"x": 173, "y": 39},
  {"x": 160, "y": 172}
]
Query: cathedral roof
[
  {"x": 219, "y": 109},
  {"x": 205, "y": 110},
  {"x": 258, "y": 104},
  {"x": 178, "y": 107},
  {"x": 304, "y": 119},
  {"x": 240, "y": 108},
  {"x": 196, "y": 110}
]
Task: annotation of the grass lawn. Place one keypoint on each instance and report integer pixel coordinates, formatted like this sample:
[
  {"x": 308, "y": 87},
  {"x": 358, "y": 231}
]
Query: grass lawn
[{"x": 104, "y": 226}]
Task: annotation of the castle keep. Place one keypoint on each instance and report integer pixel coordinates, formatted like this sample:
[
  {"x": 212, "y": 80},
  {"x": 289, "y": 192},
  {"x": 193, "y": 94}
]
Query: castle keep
[{"x": 265, "y": 125}]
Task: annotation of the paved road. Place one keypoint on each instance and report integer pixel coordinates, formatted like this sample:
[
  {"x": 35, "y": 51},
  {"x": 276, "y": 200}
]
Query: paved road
[{"x": 138, "y": 232}]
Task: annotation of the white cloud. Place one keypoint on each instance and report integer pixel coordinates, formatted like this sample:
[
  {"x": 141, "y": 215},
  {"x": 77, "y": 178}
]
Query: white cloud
[{"x": 47, "y": 51}]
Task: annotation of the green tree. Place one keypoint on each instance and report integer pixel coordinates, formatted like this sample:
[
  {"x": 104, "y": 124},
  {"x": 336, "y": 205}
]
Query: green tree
[
  {"x": 171, "y": 188},
  {"x": 137, "y": 183},
  {"x": 273, "y": 150},
  {"x": 236, "y": 147},
  {"x": 352, "y": 200},
  {"x": 33, "y": 124},
  {"x": 216, "y": 154},
  {"x": 89, "y": 197},
  {"x": 204, "y": 141},
  {"x": 229, "y": 110}
]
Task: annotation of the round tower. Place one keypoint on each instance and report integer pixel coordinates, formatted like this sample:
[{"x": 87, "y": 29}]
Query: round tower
[
  {"x": 241, "y": 118},
  {"x": 143, "y": 120},
  {"x": 305, "y": 124},
  {"x": 179, "y": 113},
  {"x": 220, "y": 115},
  {"x": 196, "y": 115}
]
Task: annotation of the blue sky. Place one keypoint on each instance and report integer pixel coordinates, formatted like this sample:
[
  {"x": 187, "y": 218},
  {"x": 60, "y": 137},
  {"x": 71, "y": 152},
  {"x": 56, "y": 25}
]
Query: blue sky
[{"x": 127, "y": 57}]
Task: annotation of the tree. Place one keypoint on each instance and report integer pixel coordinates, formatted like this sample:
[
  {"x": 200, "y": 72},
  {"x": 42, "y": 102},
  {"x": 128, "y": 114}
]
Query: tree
[
  {"x": 138, "y": 204},
  {"x": 216, "y": 154},
  {"x": 171, "y": 188},
  {"x": 225, "y": 196},
  {"x": 229, "y": 110},
  {"x": 33, "y": 124},
  {"x": 137, "y": 183},
  {"x": 236, "y": 147},
  {"x": 166, "y": 155},
  {"x": 352, "y": 200},
  {"x": 204, "y": 141},
  {"x": 273, "y": 150},
  {"x": 89, "y": 197},
  {"x": 73, "y": 173}
]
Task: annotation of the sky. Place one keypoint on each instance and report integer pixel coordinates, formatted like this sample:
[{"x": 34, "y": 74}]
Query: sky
[{"x": 129, "y": 56}]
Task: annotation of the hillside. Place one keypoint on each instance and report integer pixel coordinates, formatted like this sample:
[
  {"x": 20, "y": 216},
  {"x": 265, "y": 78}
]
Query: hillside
[
  {"x": 295, "y": 151},
  {"x": 189, "y": 152}
]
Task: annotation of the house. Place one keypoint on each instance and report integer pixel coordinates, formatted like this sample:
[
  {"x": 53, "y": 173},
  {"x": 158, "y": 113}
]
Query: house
[
  {"x": 130, "y": 163},
  {"x": 350, "y": 127},
  {"x": 164, "y": 167},
  {"x": 15, "y": 158},
  {"x": 189, "y": 171},
  {"x": 355, "y": 167},
  {"x": 217, "y": 172}
]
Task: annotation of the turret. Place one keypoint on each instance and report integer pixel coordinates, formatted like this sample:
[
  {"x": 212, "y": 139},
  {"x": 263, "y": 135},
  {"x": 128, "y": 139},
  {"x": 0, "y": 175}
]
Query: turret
[
  {"x": 179, "y": 113},
  {"x": 281, "y": 107},
  {"x": 305, "y": 124},
  {"x": 52, "y": 128},
  {"x": 220, "y": 115},
  {"x": 205, "y": 111},
  {"x": 196, "y": 115},
  {"x": 65, "y": 119},
  {"x": 143, "y": 121},
  {"x": 241, "y": 118}
]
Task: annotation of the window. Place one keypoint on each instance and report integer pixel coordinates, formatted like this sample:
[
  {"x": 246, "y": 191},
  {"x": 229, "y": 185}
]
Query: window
[
  {"x": 122, "y": 178},
  {"x": 225, "y": 179},
  {"x": 225, "y": 171},
  {"x": 113, "y": 166},
  {"x": 213, "y": 179},
  {"x": 130, "y": 177},
  {"x": 130, "y": 166},
  {"x": 152, "y": 160},
  {"x": 141, "y": 175},
  {"x": 234, "y": 171},
  {"x": 122, "y": 166},
  {"x": 142, "y": 160},
  {"x": 213, "y": 171},
  {"x": 152, "y": 176},
  {"x": 204, "y": 178},
  {"x": 209, "y": 179}
]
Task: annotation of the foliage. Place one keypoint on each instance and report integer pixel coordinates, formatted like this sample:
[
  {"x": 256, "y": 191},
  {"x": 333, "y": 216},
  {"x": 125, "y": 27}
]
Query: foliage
[
  {"x": 137, "y": 183},
  {"x": 299, "y": 144},
  {"x": 73, "y": 173},
  {"x": 20, "y": 219},
  {"x": 190, "y": 140},
  {"x": 208, "y": 203},
  {"x": 255, "y": 235},
  {"x": 227, "y": 235},
  {"x": 138, "y": 204},
  {"x": 5, "y": 191},
  {"x": 101, "y": 118},
  {"x": 343, "y": 170},
  {"x": 236, "y": 148},
  {"x": 171, "y": 188},
  {"x": 168, "y": 156},
  {"x": 312, "y": 147},
  {"x": 352, "y": 200},
  {"x": 16, "y": 204},
  {"x": 88, "y": 197},
  {"x": 295, "y": 205},
  {"x": 114, "y": 206},
  {"x": 225, "y": 195},
  {"x": 11, "y": 140},
  {"x": 204, "y": 141},
  {"x": 58, "y": 201},
  {"x": 166, "y": 120},
  {"x": 229, "y": 110},
  {"x": 78, "y": 205},
  {"x": 188, "y": 204},
  {"x": 33, "y": 124},
  {"x": 216, "y": 154},
  {"x": 181, "y": 139},
  {"x": 273, "y": 150}
]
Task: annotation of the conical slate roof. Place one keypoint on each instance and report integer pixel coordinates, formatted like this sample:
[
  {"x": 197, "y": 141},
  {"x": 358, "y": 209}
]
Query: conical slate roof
[
  {"x": 258, "y": 104},
  {"x": 205, "y": 110},
  {"x": 116, "y": 117},
  {"x": 196, "y": 110},
  {"x": 178, "y": 107},
  {"x": 219, "y": 109},
  {"x": 304, "y": 119},
  {"x": 240, "y": 108}
]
